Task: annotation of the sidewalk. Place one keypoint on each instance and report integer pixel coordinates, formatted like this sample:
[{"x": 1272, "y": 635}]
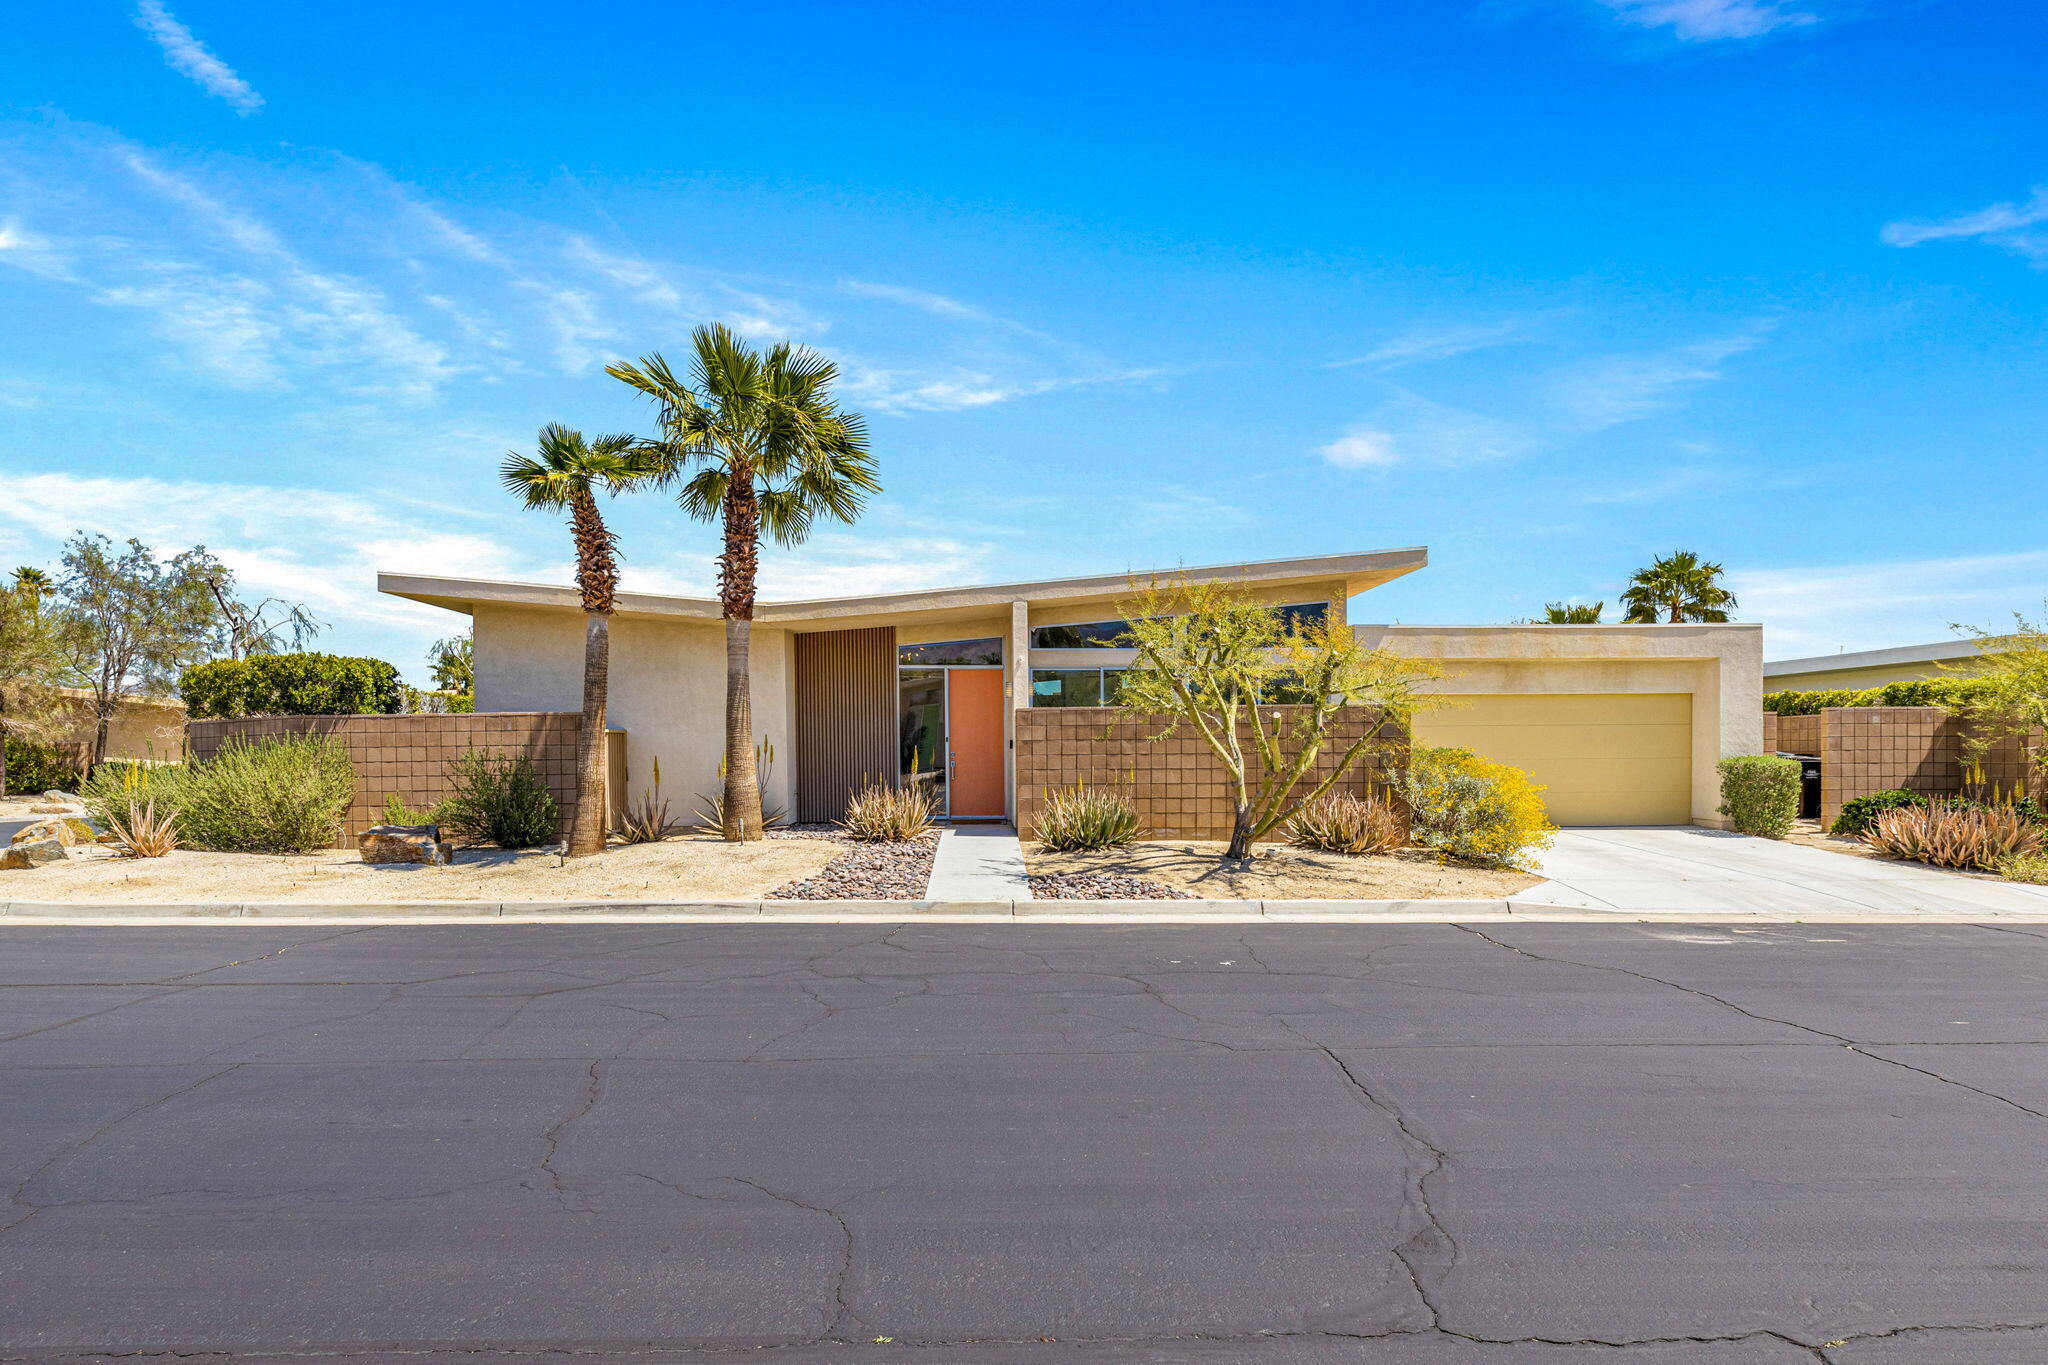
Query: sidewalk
[{"x": 978, "y": 863}]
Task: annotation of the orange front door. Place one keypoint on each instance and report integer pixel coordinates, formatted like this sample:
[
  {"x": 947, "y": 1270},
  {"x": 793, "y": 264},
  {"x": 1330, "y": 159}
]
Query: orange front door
[{"x": 974, "y": 734}]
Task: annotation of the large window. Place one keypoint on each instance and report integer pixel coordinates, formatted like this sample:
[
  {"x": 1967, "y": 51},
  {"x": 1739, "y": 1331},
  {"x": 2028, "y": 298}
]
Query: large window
[
  {"x": 989, "y": 651},
  {"x": 1074, "y": 686},
  {"x": 1094, "y": 634}
]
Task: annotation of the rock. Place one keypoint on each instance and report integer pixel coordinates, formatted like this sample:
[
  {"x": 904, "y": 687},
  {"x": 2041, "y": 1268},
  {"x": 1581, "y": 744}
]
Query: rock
[
  {"x": 404, "y": 844},
  {"x": 53, "y": 808},
  {"x": 67, "y": 830},
  {"x": 24, "y": 853},
  {"x": 66, "y": 797}
]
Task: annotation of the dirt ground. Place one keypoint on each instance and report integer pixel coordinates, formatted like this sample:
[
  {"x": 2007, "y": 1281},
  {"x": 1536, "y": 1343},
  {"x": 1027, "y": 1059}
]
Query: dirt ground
[
  {"x": 1282, "y": 872},
  {"x": 688, "y": 867}
]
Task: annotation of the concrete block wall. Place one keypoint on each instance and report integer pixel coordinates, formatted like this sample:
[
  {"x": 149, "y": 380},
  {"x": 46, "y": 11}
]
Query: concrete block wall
[
  {"x": 409, "y": 755},
  {"x": 1178, "y": 786},
  {"x": 1865, "y": 749}
]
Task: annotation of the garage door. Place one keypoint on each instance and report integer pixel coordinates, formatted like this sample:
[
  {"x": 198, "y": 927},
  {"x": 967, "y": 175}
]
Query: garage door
[{"x": 1616, "y": 758}]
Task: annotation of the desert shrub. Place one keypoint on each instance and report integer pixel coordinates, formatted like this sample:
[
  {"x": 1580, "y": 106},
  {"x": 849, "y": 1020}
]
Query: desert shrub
[
  {"x": 1945, "y": 834},
  {"x": 1474, "y": 811},
  {"x": 499, "y": 799},
  {"x": 1760, "y": 794},
  {"x": 396, "y": 812},
  {"x": 1083, "y": 817},
  {"x": 291, "y": 685},
  {"x": 282, "y": 794},
  {"x": 885, "y": 812},
  {"x": 37, "y": 768},
  {"x": 117, "y": 784},
  {"x": 2031, "y": 868},
  {"x": 1339, "y": 822},
  {"x": 1856, "y": 815},
  {"x": 145, "y": 831}
]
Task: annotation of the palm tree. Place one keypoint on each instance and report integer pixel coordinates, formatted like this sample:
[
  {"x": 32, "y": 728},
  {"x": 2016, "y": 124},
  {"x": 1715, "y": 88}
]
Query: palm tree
[
  {"x": 1577, "y": 614},
  {"x": 1678, "y": 587},
  {"x": 770, "y": 451},
  {"x": 567, "y": 473},
  {"x": 33, "y": 585}
]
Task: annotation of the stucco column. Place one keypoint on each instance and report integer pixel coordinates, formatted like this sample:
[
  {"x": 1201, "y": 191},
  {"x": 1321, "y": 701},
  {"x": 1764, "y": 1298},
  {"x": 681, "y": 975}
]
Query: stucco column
[{"x": 1017, "y": 686}]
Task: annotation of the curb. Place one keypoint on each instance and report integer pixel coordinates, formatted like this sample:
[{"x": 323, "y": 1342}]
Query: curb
[{"x": 1157, "y": 911}]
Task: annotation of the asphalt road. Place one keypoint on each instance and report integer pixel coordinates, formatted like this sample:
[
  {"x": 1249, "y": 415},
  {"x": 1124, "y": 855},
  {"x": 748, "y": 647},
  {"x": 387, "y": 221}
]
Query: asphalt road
[{"x": 1416, "y": 1144}]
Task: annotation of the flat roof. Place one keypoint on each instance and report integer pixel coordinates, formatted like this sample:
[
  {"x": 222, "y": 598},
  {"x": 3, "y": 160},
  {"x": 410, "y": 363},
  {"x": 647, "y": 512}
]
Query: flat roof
[
  {"x": 1874, "y": 658},
  {"x": 1358, "y": 572}
]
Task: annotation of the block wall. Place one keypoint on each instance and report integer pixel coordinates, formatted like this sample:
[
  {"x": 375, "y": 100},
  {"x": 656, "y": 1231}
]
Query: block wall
[
  {"x": 1178, "y": 786},
  {"x": 409, "y": 755},
  {"x": 1865, "y": 749}
]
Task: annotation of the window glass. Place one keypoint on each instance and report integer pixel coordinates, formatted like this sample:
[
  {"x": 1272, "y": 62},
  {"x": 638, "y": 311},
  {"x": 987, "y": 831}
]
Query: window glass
[
  {"x": 989, "y": 651},
  {"x": 921, "y": 728},
  {"x": 1093, "y": 634},
  {"x": 1066, "y": 687}
]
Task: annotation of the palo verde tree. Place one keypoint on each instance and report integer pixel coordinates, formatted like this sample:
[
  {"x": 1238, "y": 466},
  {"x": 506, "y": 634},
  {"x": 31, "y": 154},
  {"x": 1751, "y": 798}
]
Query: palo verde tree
[
  {"x": 2008, "y": 690},
  {"x": 1676, "y": 588},
  {"x": 1206, "y": 656},
  {"x": 568, "y": 472},
  {"x": 261, "y": 627},
  {"x": 758, "y": 444},
  {"x": 132, "y": 622}
]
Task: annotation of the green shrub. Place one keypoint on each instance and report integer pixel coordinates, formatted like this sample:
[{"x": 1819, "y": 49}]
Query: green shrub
[
  {"x": 1760, "y": 794},
  {"x": 1952, "y": 693},
  {"x": 396, "y": 812},
  {"x": 291, "y": 685},
  {"x": 2031, "y": 868},
  {"x": 37, "y": 768},
  {"x": 1474, "y": 811},
  {"x": 1338, "y": 822},
  {"x": 499, "y": 799},
  {"x": 1082, "y": 817},
  {"x": 1857, "y": 815},
  {"x": 283, "y": 794}
]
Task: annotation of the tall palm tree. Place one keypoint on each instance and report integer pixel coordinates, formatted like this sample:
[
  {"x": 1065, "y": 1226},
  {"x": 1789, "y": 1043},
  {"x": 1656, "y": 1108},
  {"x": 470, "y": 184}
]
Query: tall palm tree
[
  {"x": 33, "y": 585},
  {"x": 1574, "y": 614},
  {"x": 1677, "y": 587},
  {"x": 567, "y": 472},
  {"x": 759, "y": 444}
]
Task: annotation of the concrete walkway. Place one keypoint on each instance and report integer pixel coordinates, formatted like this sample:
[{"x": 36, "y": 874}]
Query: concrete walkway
[
  {"x": 1678, "y": 869},
  {"x": 978, "y": 863}
]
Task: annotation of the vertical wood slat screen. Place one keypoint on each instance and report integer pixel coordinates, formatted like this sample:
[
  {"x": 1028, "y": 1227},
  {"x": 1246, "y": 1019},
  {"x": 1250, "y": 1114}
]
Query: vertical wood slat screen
[{"x": 845, "y": 716}]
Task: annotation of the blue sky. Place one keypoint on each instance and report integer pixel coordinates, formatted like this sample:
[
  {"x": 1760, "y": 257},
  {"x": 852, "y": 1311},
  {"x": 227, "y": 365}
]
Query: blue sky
[{"x": 1546, "y": 285}]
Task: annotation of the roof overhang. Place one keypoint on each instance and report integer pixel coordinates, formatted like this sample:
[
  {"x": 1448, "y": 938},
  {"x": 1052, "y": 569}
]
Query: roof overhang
[
  {"x": 1357, "y": 573},
  {"x": 1875, "y": 658}
]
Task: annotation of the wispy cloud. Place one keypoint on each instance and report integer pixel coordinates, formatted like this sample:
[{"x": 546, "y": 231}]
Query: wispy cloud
[
  {"x": 1608, "y": 391},
  {"x": 1821, "y": 609},
  {"x": 190, "y": 57},
  {"x": 952, "y": 389},
  {"x": 2014, "y": 227},
  {"x": 1706, "y": 21},
  {"x": 1433, "y": 343},
  {"x": 1411, "y": 429}
]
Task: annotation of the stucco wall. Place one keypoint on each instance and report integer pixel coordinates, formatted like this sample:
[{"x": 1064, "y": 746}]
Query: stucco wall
[
  {"x": 667, "y": 690},
  {"x": 142, "y": 727},
  {"x": 1721, "y": 666}
]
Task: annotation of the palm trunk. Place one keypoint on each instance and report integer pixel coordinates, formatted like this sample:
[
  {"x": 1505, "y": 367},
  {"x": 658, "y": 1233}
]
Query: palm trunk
[
  {"x": 736, "y": 573},
  {"x": 586, "y": 836}
]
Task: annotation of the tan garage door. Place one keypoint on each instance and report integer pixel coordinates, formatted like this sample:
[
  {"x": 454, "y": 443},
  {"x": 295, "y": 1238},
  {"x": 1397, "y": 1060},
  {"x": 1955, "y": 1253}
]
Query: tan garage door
[{"x": 1614, "y": 758}]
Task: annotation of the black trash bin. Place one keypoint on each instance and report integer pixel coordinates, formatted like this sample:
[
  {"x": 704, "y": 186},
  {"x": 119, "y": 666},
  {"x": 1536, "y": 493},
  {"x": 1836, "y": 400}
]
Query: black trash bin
[{"x": 1809, "y": 785}]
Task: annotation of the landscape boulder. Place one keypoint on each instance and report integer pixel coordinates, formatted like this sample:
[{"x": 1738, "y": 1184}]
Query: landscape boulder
[
  {"x": 66, "y": 797},
  {"x": 68, "y": 830},
  {"x": 404, "y": 844},
  {"x": 53, "y": 808},
  {"x": 24, "y": 853}
]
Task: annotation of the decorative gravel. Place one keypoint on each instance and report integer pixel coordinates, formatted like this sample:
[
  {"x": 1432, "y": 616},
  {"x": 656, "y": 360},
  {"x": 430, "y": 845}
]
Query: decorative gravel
[
  {"x": 1100, "y": 886},
  {"x": 865, "y": 872}
]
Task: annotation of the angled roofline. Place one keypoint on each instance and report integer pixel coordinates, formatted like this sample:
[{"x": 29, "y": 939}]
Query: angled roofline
[
  {"x": 1358, "y": 572},
  {"x": 1874, "y": 658}
]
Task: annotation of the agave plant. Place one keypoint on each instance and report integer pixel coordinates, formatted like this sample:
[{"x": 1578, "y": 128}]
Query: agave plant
[
  {"x": 143, "y": 832},
  {"x": 711, "y": 805},
  {"x": 1084, "y": 817},
  {"x": 888, "y": 813},
  {"x": 1947, "y": 834},
  {"x": 647, "y": 820},
  {"x": 1339, "y": 822}
]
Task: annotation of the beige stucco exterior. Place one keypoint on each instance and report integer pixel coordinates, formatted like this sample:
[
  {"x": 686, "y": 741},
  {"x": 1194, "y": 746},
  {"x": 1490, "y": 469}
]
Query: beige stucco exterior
[
  {"x": 1718, "y": 667},
  {"x": 668, "y": 662}
]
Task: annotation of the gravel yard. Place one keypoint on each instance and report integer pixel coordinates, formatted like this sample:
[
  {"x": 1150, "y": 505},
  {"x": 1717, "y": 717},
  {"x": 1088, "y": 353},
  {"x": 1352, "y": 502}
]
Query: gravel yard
[
  {"x": 865, "y": 871},
  {"x": 1276, "y": 872}
]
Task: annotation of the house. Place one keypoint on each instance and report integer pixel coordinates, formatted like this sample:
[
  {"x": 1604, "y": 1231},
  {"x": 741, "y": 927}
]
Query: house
[
  {"x": 1623, "y": 724},
  {"x": 1867, "y": 667}
]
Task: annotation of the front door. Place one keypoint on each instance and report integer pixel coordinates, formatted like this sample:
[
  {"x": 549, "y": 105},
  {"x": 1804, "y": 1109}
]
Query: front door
[{"x": 974, "y": 740}]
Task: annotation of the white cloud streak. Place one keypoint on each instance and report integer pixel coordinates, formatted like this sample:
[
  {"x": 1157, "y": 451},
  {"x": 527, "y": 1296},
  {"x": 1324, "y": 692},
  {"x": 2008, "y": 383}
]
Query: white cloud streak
[
  {"x": 191, "y": 58},
  {"x": 1822, "y": 609},
  {"x": 1609, "y": 391},
  {"x": 2017, "y": 228},
  {"x": 1707, "y": 21}
]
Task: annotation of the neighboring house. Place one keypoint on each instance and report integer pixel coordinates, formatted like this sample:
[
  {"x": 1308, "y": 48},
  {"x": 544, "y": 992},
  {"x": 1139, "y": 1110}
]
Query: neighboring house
[
  {"x": 1622, "y": 723},
  {"x": 1867, "y": 667},
  {"x": 141, "y": 727}
]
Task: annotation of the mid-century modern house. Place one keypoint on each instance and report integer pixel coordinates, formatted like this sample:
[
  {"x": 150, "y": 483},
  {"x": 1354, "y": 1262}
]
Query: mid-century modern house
[
  {"x": 1867, "y": 667},
  {"x": 1622, "y": 724}
]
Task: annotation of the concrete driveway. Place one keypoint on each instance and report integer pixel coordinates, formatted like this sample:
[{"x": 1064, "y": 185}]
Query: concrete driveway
[{"x": 1683, "y": 869}]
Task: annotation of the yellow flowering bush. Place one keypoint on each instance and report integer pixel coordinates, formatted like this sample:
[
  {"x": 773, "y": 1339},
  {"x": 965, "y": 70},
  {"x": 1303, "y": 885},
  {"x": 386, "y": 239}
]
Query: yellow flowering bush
[{"x": 1472, "y": 810}]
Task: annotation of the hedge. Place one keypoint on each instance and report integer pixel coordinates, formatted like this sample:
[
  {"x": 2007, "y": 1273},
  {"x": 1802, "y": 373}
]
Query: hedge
[
  {"x": 291, "y": 685},
  {"x": 1760, "y": 794},
  {"x": 1947, "y": 692}
]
